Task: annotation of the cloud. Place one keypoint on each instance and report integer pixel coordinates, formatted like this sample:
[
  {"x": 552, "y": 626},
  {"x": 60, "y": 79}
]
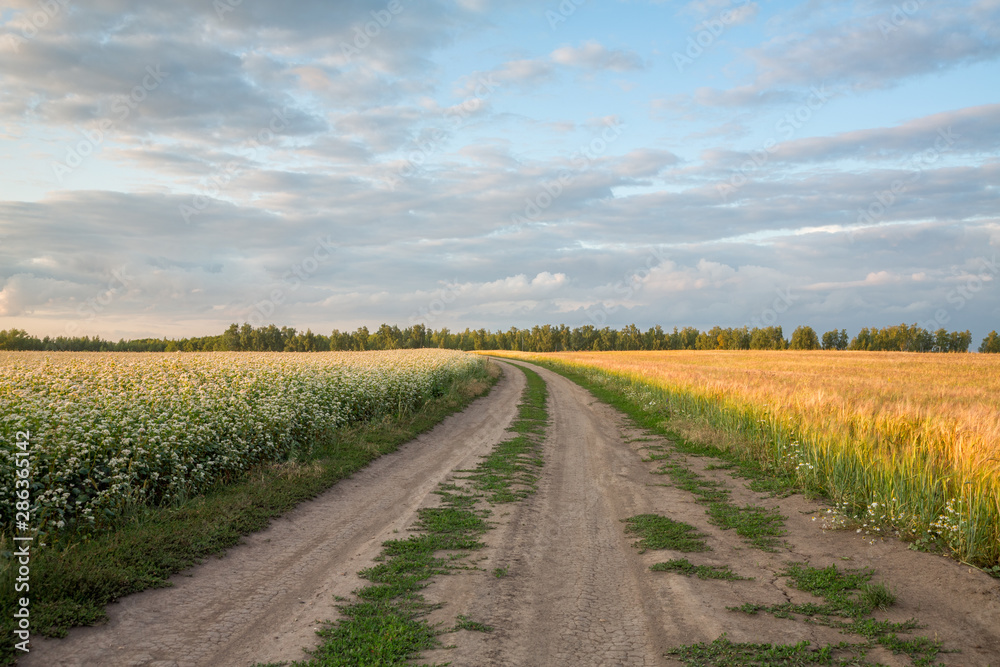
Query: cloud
[
  {"x": 866, "y": 52},
  {"x": 645, "y": 162},
  {"x": 973, "y": 130},
  {"x": 525, "y": 73},
  {"x": 594, "y": 56}
]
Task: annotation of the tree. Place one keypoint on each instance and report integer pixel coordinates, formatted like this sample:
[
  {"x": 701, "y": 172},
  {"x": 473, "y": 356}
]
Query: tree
[
  {"x": 804, "y": 338},
  {"x": 991, "y": 344},
  {"x": 231, "y": 339},
  {"x": 360, "y": 338},
  {"x": 836, "y": 340},
  {"x": 768, "y": 338}
]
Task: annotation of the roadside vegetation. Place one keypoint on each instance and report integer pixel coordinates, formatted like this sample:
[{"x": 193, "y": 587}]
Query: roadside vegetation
[
  {"x": 77, "y": 573},
  {"x": 848, "y": 601}
]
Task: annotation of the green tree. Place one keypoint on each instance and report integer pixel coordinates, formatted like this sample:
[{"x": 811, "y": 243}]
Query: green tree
[
  {"x": 804, "y": 338},
  {"x": 836, "y": 340},
  {"x": 991, "y": 344},
  {"x": 231, "y": 339},
  {"x": 768, "y": 338}
]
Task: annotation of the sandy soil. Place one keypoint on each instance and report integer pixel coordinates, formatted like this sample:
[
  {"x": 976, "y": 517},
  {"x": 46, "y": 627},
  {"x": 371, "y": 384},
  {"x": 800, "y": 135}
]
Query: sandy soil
[{"x": 576, "y": 592}]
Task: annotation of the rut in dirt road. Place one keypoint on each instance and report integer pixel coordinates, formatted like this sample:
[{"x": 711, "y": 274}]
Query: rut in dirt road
[{"x": 262, "y": 601}]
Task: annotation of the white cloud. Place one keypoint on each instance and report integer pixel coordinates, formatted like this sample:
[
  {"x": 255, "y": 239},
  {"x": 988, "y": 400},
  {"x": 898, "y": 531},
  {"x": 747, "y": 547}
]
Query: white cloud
[{"x": 594, "y": 56}]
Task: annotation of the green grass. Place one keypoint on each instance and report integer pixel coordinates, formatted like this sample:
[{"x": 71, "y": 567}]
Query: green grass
[
  {"x": 510, "y": 472},
  {"x": 73, "y": 580},
  {"x": 387, "y": 624},
  {"x": 849, "y": 595},
  {"x": 704, "y": 490},
  {"x": 685, "y": 567},
  {"x": 724, "y": 653},
  {"x": 758, "y": 526},
  {"x": 466, "y": 623},
  {"x": 660, "y": 532}
]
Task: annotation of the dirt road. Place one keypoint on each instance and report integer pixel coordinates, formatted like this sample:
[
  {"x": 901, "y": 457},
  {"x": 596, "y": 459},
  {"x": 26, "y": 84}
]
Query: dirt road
[{"x": 574, "y": 590}]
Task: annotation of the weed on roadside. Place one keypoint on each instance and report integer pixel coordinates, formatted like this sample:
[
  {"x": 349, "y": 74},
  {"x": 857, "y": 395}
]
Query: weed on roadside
[
  {"x": 466, "y": 623},
  {"x": 849, "y": 600},
  {"x": 660, "y": 532},
  {"x": 724, "y": 653},
  {"x": 758, "y": 526},
  {"x": 685, "y": 567}
]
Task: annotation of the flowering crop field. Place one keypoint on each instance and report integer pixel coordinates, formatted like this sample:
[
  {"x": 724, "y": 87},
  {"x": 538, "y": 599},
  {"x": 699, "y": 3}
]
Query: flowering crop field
[
  {"x": 901, "y": 441},
  {"x": 113, "y": 430}
]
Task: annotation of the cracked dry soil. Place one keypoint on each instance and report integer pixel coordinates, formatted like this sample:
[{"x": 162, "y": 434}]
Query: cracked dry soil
[{"x": 575, "y": 591}]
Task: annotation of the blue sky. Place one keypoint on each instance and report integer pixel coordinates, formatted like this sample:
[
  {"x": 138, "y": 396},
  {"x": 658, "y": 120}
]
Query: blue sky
[{"x": 170, "y": 169}]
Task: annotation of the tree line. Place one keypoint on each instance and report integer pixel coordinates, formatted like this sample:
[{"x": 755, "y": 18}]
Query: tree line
[{"x": 545, "y": 338}]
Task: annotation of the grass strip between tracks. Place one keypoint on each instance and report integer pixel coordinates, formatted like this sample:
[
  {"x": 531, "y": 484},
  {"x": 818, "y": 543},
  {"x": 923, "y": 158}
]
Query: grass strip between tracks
[
  {"x": 72, "y": 583},
  {"x": 387, "y": 623}
]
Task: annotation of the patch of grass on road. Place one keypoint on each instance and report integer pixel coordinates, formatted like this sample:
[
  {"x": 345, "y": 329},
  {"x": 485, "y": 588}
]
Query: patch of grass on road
[
  {"x": 660, "y": 532},
  {"x": 388, "y": 625},
  {"x": 849, "y": 595},
  {"x": 510, "y": 472},
  {"x": 466, "y": 623},
  {"x": 758, "y": 526},
  {"x": 724, "y": 653},
  {"x": 687, "y": 568}
]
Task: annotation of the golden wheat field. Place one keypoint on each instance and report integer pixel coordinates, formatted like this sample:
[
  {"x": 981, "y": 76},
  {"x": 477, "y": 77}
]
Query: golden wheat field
[{"x": 915, "y": 435}]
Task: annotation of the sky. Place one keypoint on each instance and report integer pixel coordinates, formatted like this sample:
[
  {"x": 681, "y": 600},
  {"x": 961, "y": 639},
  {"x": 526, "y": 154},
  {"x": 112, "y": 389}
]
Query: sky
[{"x": 167, "y": 169}]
